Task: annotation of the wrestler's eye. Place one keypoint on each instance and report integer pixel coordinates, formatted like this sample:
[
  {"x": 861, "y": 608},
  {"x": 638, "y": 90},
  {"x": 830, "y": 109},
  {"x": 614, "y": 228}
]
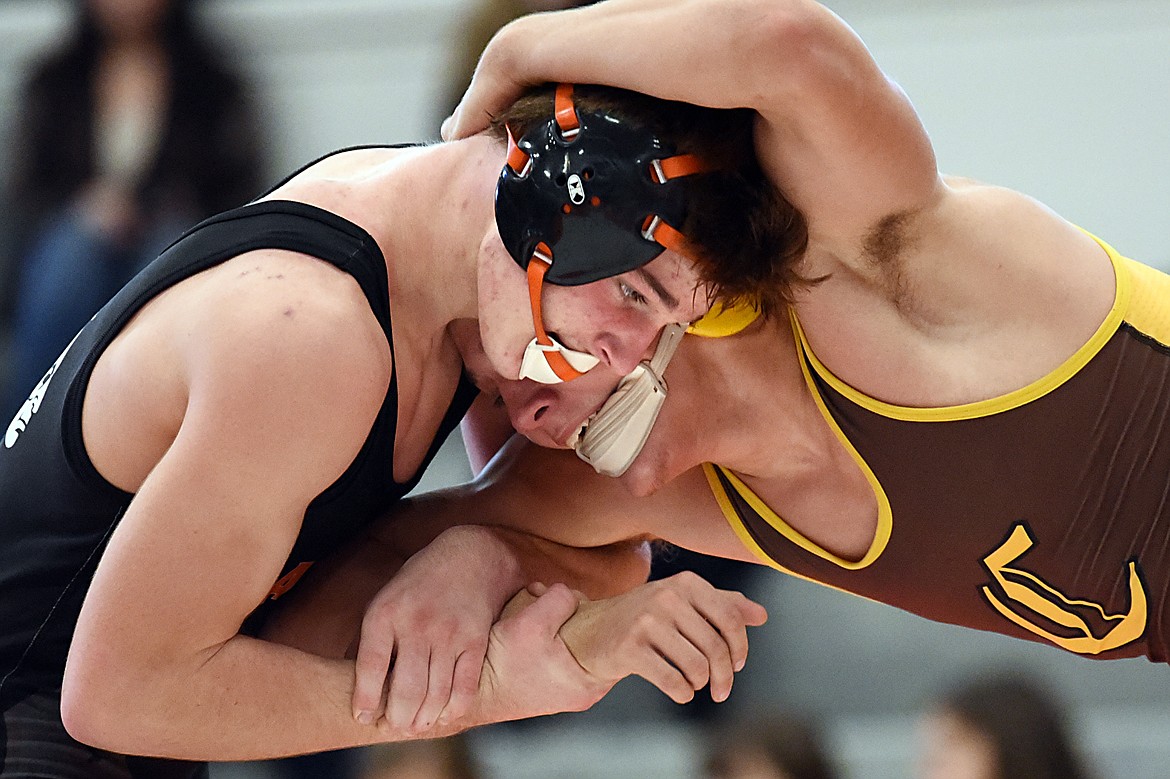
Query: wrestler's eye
[{"x": 630, "y": 293}]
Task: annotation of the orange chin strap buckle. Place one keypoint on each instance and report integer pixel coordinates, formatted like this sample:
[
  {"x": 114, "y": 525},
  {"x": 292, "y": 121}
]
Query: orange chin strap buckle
[{"x": 546, "y": 360}]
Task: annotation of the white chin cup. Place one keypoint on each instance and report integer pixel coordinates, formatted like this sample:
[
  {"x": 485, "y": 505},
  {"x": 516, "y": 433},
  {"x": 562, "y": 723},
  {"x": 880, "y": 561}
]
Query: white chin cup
[
  {"x": 616, "y": 433},
  {"x": 613, "y": 437},
  {"x": 534, "y": 365}
]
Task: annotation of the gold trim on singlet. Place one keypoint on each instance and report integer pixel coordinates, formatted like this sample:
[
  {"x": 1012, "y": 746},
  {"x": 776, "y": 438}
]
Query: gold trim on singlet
[
  {"x": 1016, "y": 398},
  {"x": 1139, "y": 298},
  {"x": 1149, "y": 305},
  {"x": 884, "y": 519},
  {"x": 736, "y": 523}
]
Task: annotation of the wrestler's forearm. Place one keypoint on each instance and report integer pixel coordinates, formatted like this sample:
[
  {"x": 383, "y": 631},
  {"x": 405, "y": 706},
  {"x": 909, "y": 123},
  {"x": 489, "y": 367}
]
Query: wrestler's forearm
[
  {"x": 599, "y": 572},
  {"x": 249, "y": 699},
  {"x": 518, "y": 556},
  {"x": 323, "y": 614},
  {"x": 768, "y": 46}
]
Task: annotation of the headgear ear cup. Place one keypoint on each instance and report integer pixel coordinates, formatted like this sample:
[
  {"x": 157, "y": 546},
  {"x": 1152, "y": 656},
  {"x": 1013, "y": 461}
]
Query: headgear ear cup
[{"x": 613, "y": 437}]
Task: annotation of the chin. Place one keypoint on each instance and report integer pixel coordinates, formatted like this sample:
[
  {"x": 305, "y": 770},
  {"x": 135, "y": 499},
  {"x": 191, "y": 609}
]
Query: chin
[
  {"x": 541, "y": 438},
  {"x": 641, "y": 479}
]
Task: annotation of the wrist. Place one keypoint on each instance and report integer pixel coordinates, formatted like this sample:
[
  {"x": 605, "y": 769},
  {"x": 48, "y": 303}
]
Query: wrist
[{"x": 495, "y": 561}]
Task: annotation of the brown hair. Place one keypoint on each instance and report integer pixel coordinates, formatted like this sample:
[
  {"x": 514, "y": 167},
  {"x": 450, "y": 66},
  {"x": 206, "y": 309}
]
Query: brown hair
[{"x": 743, "y": 234}]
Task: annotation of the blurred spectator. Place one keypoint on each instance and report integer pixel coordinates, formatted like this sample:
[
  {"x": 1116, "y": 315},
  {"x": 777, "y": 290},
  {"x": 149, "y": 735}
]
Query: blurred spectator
[
  {"x": 131, "y": 131},
  {"x": 444, "y": 758},
  {"x": 779, "y": 746},
  {"x": 1004, "y": 726}
]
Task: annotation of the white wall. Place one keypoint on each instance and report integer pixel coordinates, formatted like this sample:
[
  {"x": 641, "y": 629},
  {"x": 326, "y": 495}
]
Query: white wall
[{"x": 1066, "y": 100}]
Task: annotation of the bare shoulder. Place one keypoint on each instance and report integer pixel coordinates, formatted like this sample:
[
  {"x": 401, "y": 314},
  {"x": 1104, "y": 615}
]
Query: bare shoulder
[
  {"x": 1014, "y": 244},
  {"x": 347, "y": 182},
  {"x": 268, "y": 339},
  {"x": 980, "y": 294},
  {"x": 274, "y": 316}
]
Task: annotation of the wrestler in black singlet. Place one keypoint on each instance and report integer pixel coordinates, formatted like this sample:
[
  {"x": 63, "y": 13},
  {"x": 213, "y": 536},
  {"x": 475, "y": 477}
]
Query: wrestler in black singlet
[{"x": 57, "y": 512}]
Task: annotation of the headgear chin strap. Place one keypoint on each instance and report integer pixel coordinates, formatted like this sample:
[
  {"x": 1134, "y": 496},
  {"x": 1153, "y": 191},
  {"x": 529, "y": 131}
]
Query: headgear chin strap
[
  {"x": 612, "y": 438},
  {"x": 583, "y": 197},
  {"x": 546, "y": 360}
]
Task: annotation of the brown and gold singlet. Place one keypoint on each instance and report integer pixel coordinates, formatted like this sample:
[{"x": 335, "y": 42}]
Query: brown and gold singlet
[{"x": 1042, "y": 514}]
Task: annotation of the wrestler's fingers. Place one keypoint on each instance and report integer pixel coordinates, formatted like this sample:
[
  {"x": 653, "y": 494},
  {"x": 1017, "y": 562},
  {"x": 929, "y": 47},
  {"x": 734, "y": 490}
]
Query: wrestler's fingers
[
  {"x": 408, "y": 683},
  {"x": 439, "y": 681},
  {"x": 550, "y": 611},
  {"x": 464, "y": 686},
  {"x": 753, "y": 615},
  {"x": 692, "y": 646},
  {"x": 492, "y": 87},
  {"x": 665, "y": 676},
  {"x": 731, "y": 613},
  {"x": 713, "y": 647},
  {"x": 370, "y": 670}
]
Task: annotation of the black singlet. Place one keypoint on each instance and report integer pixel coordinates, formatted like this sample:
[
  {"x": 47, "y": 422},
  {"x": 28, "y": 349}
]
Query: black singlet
[{"x": 57, "y": 512}]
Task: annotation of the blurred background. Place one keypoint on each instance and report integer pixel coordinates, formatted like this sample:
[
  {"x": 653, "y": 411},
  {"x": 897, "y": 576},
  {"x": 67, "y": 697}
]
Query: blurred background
[{"x": 1066, "y": 100}]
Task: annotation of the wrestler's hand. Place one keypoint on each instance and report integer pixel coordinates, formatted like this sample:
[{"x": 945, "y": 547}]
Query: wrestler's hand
[
  {"x": 493, "y": 86},
  {"x": 679, "y": 634},
  {"x": 432, "y": 620},
  {"x": 529, "y": 672}
]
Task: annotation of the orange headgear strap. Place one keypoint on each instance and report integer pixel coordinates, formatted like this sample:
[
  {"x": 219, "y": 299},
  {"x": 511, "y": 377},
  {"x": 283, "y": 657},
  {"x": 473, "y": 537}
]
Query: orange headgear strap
[
  {"x": 662, "y": 171},
  {"x": 565, "y": 113},
  {"x": 518, "y": 160},
  {"x": 654, "y": 229},
  {"x": 537, "y": 267}
]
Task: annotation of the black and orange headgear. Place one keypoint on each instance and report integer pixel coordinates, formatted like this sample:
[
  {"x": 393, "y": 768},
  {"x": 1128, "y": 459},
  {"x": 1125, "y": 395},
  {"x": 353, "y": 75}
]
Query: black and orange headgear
[
  {"x": 582, "y": 197},
  {"x": 592, "y": 193}
]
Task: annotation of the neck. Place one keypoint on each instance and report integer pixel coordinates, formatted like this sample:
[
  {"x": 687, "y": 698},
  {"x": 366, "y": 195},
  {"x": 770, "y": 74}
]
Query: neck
[
  {"x": 764, "y": 420},
  {"x": 437, "y": 205}
]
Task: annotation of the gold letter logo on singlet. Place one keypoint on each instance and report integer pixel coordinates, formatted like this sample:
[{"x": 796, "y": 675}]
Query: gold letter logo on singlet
[{"x": 1029, "y": 591}]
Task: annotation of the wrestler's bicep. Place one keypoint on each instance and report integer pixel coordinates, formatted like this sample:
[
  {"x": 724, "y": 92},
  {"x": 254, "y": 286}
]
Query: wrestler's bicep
[{"x": 207, "y": 533}]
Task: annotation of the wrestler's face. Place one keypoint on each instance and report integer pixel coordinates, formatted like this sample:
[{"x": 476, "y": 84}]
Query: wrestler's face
[
  {"x": 617, "y": 319},
  {"x": 549, "y": 414}
]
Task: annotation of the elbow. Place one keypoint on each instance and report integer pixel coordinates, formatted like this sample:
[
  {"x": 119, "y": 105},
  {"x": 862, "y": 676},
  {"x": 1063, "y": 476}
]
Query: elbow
[
  {"x": 638, "y": 568},
  {"x": 629, "y": 567},
  {"x": 105, "y": 707},
  {"x": 778, "y": 31},
  {"x": 793, "y": 46},
  {"x": 87, "y": 712}
]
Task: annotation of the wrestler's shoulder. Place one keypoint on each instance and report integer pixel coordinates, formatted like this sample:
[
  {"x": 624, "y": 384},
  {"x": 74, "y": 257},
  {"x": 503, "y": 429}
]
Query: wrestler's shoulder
[{"x": 277, "y": 314}]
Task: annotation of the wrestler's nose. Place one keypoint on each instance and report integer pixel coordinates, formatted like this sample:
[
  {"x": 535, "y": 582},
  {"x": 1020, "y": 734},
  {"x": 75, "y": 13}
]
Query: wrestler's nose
[
  {"x": 623, "y": 353},
  {"x": 527, "y": 421}
]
